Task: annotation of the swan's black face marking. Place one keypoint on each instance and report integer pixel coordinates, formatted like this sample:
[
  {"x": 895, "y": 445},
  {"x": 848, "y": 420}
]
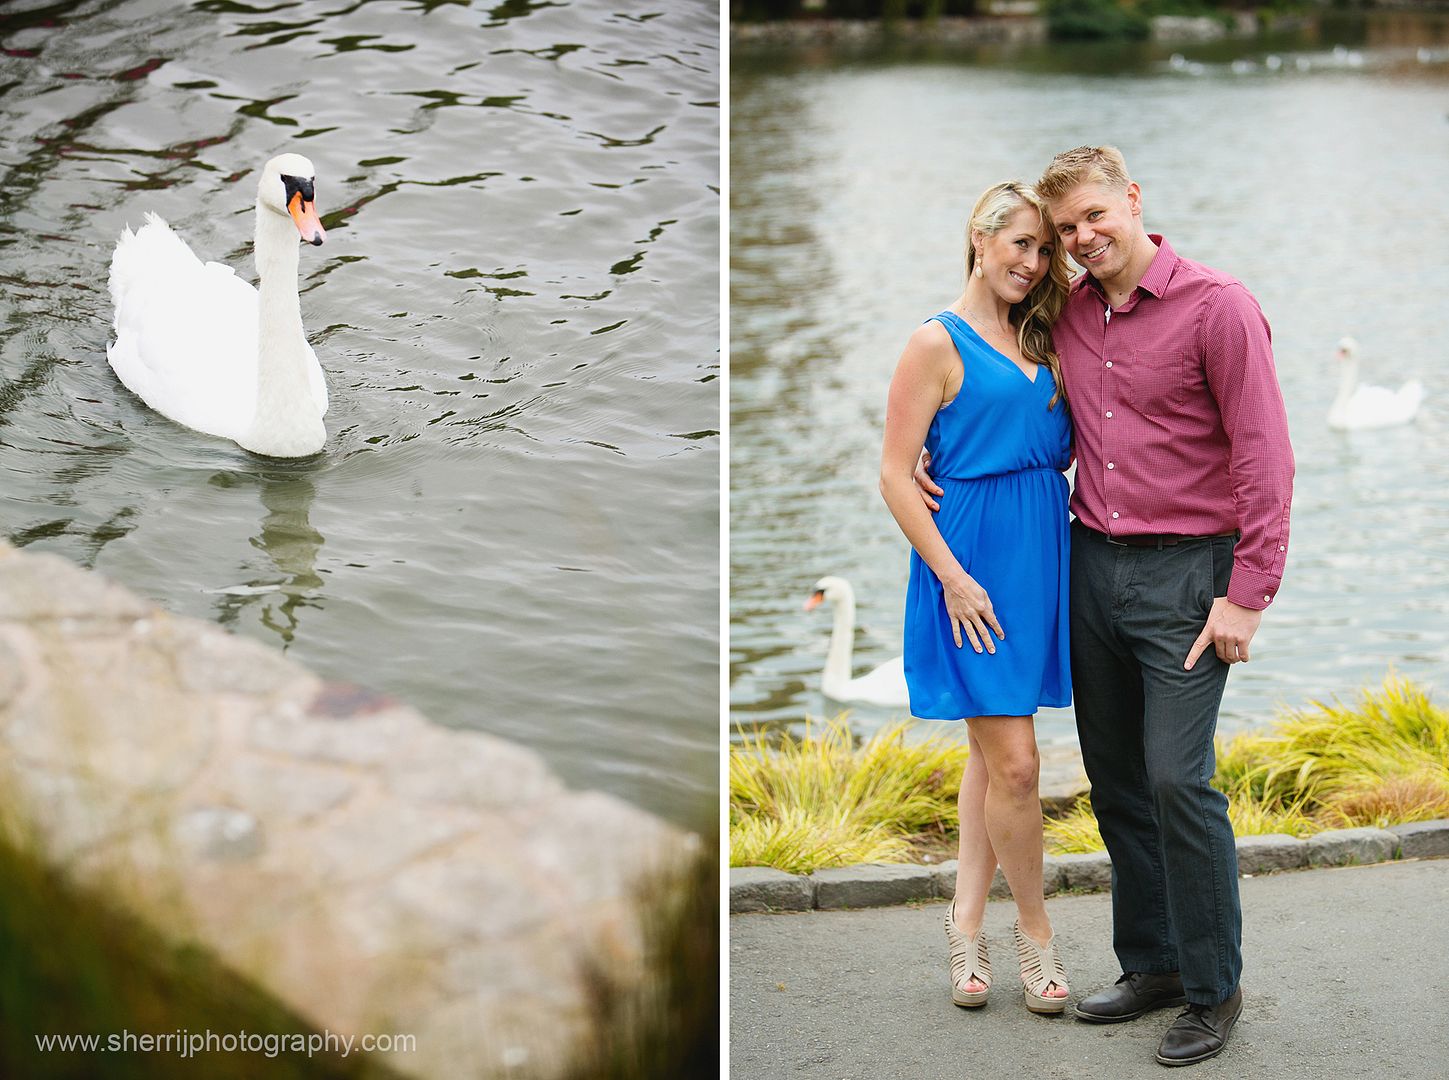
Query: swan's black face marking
[
  {"x": 296, "y": 185},
  {"x": 301, "y": 204}
]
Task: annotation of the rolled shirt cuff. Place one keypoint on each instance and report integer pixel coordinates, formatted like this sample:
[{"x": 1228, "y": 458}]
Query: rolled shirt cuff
[{"x": 1252, "y": 589}]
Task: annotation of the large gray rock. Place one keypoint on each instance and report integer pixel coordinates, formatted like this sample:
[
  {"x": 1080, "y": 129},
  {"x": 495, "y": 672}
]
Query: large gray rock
[
  {"x": 1089, "y": 872},
  {"x": 1063, "y": 780},
  {"x": 1422, "y": 839},
  {"x": 1053, "y": 875},
  {"x": 369, "y": 869},
  {"x": 944, "y": 875},
  {"x": 1350, "y": 847},
  {"x": 763, "y": 888},
  {"x": 1271, "y": 851},
  {"x": 872, "y": 885}
]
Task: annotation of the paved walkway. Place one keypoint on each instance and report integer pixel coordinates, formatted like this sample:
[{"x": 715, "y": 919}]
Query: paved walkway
[{"x": 864, "y": 995}]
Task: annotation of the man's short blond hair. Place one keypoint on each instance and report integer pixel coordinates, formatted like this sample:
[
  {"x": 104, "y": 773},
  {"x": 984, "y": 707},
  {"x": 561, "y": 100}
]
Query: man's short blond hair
[{"x": 1085, "y": 164}]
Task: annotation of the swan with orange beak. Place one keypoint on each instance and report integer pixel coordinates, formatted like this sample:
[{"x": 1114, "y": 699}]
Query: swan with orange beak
[{"x": 203, "y": 347}]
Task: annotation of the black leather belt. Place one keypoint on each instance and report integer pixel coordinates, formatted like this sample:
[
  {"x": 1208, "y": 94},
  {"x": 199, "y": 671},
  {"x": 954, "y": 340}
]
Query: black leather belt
[{"x": 1152, "y": 540}]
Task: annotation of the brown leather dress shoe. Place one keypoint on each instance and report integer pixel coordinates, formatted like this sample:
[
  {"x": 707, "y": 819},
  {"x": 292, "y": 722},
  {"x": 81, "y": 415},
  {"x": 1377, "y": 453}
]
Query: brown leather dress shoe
[
  {"x": 1200, "y": 1031},
  {"x": 1134, "y": 994}
]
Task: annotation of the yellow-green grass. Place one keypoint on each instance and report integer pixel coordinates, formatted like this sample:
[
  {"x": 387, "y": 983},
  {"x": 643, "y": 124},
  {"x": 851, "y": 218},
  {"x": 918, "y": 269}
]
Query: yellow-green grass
[
  {"x": 822, "y": 799},
  {"x": 817, "y": 800}
]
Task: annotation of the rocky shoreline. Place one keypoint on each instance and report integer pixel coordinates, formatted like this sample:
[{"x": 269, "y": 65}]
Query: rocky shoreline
[
  {"x": 1020, "y": 29},
  {"x": 369, "y": 869}
]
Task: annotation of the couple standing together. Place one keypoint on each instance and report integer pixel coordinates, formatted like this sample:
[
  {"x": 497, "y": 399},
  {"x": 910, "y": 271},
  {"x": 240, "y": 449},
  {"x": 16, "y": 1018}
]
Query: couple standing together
[{"x": 1138, "y": 607}]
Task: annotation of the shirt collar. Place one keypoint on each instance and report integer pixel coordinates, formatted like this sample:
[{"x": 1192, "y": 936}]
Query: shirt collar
[{"x": 1159, "y": 272}]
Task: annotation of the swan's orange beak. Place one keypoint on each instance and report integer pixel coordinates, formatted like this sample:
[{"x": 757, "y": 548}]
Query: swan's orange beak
[
  {"x": 815, "y": 600},
  {"x": 308, "y": 223}
]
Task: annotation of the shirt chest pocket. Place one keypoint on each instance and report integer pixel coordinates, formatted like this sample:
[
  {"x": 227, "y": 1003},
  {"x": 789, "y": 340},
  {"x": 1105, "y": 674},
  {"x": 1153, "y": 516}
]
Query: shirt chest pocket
[{"x": 1158, "y": 380}]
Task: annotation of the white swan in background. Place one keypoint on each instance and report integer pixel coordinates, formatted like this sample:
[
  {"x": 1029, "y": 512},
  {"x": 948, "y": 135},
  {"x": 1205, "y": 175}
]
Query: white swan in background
[
  {"x": 886, "y": 685},
  {"x": 1361, "y": 406},
  {"x": 199, "y": 345}
]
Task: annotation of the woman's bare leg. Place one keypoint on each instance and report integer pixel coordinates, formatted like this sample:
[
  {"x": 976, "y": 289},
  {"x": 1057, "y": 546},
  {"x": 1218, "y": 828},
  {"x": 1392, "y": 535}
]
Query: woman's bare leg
[
  {"x": 975, "y": 858},
  {"x": 1012, "y": 817},
  {"x": 976, "y": 861}
]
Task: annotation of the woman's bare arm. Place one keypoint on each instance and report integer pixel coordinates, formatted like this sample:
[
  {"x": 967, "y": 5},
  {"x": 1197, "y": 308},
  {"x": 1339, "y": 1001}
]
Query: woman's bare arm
[{"x": 918, "y": 389}]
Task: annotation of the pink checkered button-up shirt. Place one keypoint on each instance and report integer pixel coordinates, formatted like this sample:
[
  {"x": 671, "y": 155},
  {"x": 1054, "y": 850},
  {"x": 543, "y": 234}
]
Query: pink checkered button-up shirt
[{"x": 1180, "y": 426}]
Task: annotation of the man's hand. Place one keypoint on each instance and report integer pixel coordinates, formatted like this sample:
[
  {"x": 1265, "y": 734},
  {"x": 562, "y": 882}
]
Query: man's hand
[
  {"x": 926, "y": 486},
  {"x": 1229, "y": 629}
]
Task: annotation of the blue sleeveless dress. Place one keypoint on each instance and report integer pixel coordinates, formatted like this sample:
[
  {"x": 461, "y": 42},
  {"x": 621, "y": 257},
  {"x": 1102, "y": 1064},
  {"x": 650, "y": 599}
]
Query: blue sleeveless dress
[{"x": 999, "y": 454}]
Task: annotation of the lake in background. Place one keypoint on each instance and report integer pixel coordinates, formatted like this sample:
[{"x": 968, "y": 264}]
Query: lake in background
[
  {"x": 1309, "y": 164},
  {"x": 514, "y": 524}
]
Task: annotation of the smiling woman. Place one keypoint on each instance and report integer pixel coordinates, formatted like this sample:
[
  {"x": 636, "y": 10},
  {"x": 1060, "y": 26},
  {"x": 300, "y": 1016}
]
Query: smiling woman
[{"x": 978, "y": 388}]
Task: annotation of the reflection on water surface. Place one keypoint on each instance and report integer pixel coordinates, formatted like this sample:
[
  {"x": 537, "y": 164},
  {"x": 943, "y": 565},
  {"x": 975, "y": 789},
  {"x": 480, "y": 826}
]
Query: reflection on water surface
[
  {"x": 1315, "y": 179},
  {"x": 513, "y": 524}
]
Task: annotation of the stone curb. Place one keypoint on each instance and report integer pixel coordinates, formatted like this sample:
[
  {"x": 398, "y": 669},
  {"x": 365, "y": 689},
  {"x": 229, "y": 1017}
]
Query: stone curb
[
  {"x": 763, "y": 888},
  {"x": 872, "y": 885},
  {"x": 760, "y": 888}
]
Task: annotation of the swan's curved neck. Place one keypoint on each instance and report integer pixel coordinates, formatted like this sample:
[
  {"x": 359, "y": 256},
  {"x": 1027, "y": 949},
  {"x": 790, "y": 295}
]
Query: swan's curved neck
[
  {"x": 284, "y": 399},
  {"x": 276, "y": 254},
  {"x": 842, "y": 647},
  {"x": 1346, "y": 384}
]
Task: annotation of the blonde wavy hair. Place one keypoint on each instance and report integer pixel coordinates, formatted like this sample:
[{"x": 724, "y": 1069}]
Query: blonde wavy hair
[{"x": 1034, "y": 315}]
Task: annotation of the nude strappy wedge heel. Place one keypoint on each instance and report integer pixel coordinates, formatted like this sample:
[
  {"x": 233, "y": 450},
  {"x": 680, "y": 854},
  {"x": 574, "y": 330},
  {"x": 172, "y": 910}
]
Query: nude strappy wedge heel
[
  {"x": 1040, "y": 966},
  {"x": 968, "y": 958}
]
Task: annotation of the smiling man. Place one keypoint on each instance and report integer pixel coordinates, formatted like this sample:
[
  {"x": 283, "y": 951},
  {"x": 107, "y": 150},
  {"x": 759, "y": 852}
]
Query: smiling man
[{"x": 1183, "y": 485}]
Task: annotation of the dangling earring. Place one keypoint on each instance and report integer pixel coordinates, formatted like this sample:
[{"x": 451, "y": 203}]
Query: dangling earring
[{"x": 977, "y": 271}]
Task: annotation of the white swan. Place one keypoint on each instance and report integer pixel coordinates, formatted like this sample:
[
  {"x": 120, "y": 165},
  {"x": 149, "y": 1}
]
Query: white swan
[
  {"x": 1361, "y": 406},
  {"x": 197, "y": 344},
  {"x": 886, "y": 685}
]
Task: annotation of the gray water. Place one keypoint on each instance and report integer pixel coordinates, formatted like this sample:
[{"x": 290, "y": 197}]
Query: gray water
[
  {"x": 514, "y": 523},
  {"x": 1316, "y": 178}
]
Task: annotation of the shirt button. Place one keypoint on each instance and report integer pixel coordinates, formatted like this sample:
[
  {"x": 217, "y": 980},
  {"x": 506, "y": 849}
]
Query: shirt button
[
  {"x": 1280, "y": 546},
  {"x": 1115, "y": 514},
  {"x": 1109, "y": 363},
  {"x": 1113, "y": 465},
  {"x": 1267, "y": 599},
  {"x": 1109, "y": 414}
]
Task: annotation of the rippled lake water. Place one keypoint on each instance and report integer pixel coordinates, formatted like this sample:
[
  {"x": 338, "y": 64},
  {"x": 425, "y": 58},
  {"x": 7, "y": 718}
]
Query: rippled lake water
[
  {"x": 514, "y": 523},
  {"x": 1309, "y": 164}
]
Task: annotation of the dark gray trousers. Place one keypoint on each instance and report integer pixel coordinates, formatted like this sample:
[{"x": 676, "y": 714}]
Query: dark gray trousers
[{"x": 1146, "y": 728}]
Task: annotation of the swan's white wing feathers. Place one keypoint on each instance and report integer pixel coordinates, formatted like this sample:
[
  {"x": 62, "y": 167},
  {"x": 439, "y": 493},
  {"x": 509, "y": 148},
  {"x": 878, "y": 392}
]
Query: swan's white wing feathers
[
  {"x": 1372, "y": 400},
  {"x": 1377, "y": 406},
  {"x": 316, "y": 382},
  {"x": 886, "y": 685},
  {"x": 186, "y": 332}
]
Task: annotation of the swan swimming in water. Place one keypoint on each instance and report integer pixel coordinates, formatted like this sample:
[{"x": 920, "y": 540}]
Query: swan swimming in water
[
  {"x": 886, "y": 685},
  {"x": 1361, "y": 406},
  {"x": 201, "y": 346}
]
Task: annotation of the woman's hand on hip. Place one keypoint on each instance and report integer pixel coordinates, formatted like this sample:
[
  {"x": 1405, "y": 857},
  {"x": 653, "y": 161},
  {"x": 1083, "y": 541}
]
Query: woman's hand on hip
[{"x": 970, "y": 610}]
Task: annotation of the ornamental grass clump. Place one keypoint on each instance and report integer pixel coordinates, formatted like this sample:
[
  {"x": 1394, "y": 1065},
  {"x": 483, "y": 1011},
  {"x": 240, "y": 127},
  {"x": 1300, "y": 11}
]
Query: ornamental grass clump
[
  {"x": 1075, "y": 832},
  {"x": 1383, "y": 760},
  {"x": 819, "y": 799}
]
